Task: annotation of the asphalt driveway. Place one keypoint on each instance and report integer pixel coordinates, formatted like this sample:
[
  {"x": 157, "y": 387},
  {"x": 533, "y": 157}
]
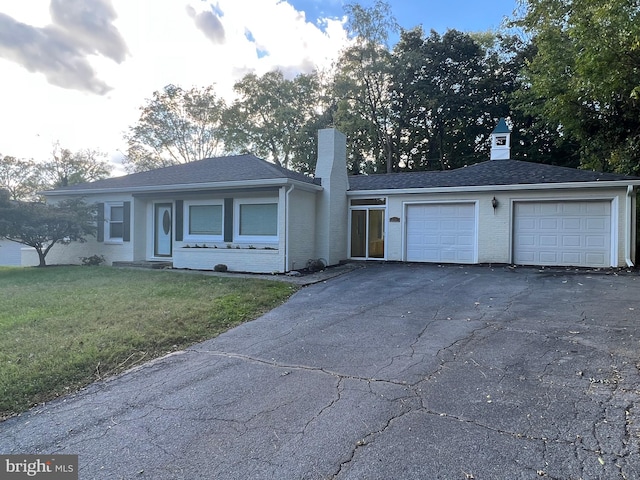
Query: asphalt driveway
[{"x": 387, "y": 372}]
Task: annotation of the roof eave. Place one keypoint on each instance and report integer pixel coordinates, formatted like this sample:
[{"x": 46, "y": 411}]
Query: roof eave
[
  {"x": 493, "y": 188},
  {"x": 271, "y": 182}
]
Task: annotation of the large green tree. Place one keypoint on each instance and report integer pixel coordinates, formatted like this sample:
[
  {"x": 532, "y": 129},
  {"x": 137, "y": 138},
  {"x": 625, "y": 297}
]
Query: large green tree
[
  {"x": 42, "y": 226},
  {"x": 66, "y": 167},
  {"x": 362, "y": 88},
  {"x": 448, "y": 92},
  {"x": 175, "y": 126},
  {"x": 276, "y": 118},
  {"x": 19, "y": 177},
  {"x": 585, "y": 76}
]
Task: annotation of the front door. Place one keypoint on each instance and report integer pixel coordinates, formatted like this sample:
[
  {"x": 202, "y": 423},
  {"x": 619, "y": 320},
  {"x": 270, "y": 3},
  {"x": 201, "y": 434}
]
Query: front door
[
  {"x": 367, "y": 233},
  {"x": 162, "y": 236}
]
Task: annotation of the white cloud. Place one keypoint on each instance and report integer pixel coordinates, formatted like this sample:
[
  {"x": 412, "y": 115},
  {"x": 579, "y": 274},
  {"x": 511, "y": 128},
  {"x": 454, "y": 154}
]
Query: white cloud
[{"x": 138, "y": 48}]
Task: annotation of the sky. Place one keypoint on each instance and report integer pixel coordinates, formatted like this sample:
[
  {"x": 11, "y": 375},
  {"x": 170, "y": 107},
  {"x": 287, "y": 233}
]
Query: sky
[{"x": 77, "y": 72}]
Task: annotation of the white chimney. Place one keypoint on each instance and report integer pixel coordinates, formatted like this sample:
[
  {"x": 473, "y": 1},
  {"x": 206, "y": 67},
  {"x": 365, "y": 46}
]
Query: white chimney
[
  {"x": 501, "y": 141},
  {"x": 331, "y": 204}
]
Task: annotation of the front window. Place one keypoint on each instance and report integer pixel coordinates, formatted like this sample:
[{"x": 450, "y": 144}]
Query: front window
[
  {"x": 257, "y": 221},
  {"x": 204, "y": 221},
  {"x": 114, "y": 217}
]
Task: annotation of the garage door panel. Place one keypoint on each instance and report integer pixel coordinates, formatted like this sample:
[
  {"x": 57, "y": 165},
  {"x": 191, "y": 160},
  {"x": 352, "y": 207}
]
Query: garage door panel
[
  {"x": 596, "y": 259},
  {"x": 546, "y": 241},
  {"x": 571, "y": 233},
  {"x": 441, "y": 233},
  {"x": 547, "y": 257},
  {"x": 598, "y": 209},
  {"x": 598, "y": 223},
  {"x": 571, "y": 241},
  {"x": 596, "y": 241},
  {"x": 571, "y": 223}
]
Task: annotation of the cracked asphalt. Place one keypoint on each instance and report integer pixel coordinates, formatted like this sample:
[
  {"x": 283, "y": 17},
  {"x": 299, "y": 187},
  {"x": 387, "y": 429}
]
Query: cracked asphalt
[{"x": 390, "y": 371}]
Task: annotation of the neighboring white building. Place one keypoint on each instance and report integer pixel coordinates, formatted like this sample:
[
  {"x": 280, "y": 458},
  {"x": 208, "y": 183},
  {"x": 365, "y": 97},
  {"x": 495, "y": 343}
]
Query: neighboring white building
[{"x": 254, "y": 216}]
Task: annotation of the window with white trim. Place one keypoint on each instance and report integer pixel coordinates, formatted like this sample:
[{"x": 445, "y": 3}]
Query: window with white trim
[
  {"x": 204, "y": 221},
  {"x": 114, "y": 222},
  {"x": 256, "y": 220}
]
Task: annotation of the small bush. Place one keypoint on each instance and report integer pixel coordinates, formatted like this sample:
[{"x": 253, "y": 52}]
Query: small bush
[
  {"x": 93, "y": 260},
  {"x": 221, "y": 267},
  {"x": 316, "y": 264}
]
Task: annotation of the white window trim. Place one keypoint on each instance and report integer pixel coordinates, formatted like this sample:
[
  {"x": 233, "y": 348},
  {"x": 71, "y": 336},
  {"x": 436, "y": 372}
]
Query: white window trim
[
  {"x": 254, "y": 238},
  {"x": 107, "y": 223},
  {"x": 187, "y": 237}
]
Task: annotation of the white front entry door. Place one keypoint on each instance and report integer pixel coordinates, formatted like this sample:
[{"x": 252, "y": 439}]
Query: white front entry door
[
  {"x": 441, "y": 233},
  {"x": 570, "y": 233},
  {"x": 162, "y": 229}
]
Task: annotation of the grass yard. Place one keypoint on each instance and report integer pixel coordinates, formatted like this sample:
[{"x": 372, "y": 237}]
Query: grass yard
[{"x": 64, "y": 327}]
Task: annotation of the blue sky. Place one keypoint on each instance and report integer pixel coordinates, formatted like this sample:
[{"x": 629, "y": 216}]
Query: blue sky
[
  {"x": 439, "y": 15},
  {"x": 78, "y": 72}
]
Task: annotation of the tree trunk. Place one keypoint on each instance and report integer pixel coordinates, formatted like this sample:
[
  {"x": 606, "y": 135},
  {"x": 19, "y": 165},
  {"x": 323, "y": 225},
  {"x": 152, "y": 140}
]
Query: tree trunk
[{"x": 41, "y": 256}]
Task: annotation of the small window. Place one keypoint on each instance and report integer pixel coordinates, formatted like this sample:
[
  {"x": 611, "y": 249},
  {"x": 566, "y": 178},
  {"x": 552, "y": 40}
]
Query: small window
[
  {"x": 501, "y": 141},
  {"x": 368, "y": 201},
  {"x": 114, "y": 216}
]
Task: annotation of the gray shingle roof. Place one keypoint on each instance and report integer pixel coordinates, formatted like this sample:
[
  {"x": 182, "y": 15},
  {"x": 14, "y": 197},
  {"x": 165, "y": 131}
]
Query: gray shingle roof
[
  {"x": 492, "y": 172},
  {"x": 210, "y": 170}
]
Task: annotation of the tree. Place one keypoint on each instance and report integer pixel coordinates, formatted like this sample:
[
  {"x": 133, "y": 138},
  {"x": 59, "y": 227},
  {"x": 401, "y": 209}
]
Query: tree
[
  {"x": 448, "y": 91},
  {"x": 41, "y": 226},
  {"x": 362, "y": 88},
  {"x": 19, "y": 177},
  {"x": 276, "y": 118},
  {"x": 585, "y": 75},
  {"x": 68, "y": 168},
  {"x": 175, "y": 126}
]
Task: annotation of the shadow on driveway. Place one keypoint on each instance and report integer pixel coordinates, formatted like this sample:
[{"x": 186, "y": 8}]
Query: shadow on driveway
[{"x": 388, "y": 371}]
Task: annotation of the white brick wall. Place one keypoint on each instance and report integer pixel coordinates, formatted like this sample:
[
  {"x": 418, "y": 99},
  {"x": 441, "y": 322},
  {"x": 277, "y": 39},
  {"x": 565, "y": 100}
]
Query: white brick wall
[{"x": 302, "y": 228}]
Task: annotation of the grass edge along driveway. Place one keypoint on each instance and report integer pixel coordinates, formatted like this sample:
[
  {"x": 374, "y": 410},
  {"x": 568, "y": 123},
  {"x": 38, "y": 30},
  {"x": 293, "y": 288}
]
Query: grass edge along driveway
[{"x": 62, "y": 328}]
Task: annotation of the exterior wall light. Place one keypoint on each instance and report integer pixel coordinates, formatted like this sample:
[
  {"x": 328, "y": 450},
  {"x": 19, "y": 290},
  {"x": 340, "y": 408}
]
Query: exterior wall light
[{"x": 494, "y": 203}]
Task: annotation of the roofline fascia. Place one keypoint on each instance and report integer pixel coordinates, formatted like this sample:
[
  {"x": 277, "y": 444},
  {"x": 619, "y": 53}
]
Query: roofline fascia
[
  {"x": 271, "y": 182},
  {"x": 494, "y": 188}
]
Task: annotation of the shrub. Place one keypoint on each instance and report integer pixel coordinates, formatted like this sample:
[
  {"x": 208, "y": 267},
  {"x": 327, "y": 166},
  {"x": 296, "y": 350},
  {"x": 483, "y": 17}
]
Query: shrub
[
  {"x": 92, "y": 260},
  {"x": 316, "y": 265},
  {"x": 221, "y": 267}
]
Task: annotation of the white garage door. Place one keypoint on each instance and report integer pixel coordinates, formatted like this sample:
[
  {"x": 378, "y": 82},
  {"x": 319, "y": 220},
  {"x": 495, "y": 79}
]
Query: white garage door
[
  {"x": 441, "y": 233},
  {"x": 569, "y": 233}
]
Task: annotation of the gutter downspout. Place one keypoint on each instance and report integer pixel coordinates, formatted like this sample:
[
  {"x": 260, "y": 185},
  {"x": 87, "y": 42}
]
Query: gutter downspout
[
  {"x": 627, "y": 227},
  {"x": 286, "y": 229}
]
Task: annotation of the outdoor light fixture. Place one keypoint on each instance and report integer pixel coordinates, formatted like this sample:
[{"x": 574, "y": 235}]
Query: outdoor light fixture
[{"x": 494, "y": 203}]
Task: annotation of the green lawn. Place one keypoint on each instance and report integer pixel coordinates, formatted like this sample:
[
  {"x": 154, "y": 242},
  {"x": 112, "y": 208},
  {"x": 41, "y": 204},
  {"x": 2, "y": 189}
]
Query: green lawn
[{"x": 64, "y": 327}]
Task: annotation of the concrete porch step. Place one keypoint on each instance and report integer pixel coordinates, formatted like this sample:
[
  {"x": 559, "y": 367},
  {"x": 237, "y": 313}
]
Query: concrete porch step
[{"x": 153, "y": 264}]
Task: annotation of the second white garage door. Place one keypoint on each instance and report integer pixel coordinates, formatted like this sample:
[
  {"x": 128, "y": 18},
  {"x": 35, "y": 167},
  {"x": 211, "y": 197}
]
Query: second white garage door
[
  {"x": 441, "y": 233},
  {"x": 571, "y": 233}
]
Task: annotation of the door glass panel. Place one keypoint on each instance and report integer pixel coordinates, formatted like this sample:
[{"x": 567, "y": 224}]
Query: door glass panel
[
  {"x": 376, "y": 233},
  {"x": 358, "y": 233}
]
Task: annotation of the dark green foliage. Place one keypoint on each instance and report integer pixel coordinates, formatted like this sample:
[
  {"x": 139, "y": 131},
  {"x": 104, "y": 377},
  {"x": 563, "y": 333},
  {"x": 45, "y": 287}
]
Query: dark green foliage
[
  {"x": 93, "y": 260},
  {"x": 42, "y": 226}
]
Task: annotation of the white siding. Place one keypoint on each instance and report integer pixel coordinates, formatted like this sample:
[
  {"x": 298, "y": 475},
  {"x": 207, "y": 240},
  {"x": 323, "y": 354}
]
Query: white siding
[
  {"x": 302, "y": 228},
  {"x": 10, "y": 253}
]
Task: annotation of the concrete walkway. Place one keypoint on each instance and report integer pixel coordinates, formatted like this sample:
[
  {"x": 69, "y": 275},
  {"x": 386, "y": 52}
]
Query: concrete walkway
[{"x": 385, "y": 372}]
